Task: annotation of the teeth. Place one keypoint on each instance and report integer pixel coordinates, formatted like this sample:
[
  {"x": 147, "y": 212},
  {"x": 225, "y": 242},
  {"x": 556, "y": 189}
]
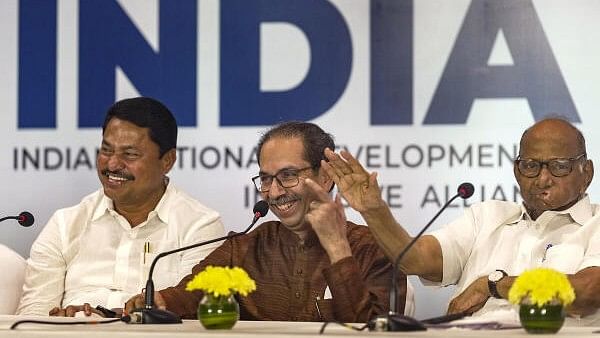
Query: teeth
[
  {"x": 116, "y": 178},
  {"x": 285, "y": 206}
]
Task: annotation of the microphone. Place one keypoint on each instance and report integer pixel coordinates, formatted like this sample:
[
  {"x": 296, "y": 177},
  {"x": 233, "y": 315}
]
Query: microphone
[
  {"x": 149, "y": 314},
  {"x": 395, "y": 321},
  {"x": 25, "y": 218}
]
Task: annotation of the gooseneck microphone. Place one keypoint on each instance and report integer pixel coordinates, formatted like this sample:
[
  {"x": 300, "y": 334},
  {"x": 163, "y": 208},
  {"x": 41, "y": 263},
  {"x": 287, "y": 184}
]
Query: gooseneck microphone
[
  {"x": 25, "y": 218},
  {"x": 151, "y": 315},
  {"x": 394, "y": 321}
]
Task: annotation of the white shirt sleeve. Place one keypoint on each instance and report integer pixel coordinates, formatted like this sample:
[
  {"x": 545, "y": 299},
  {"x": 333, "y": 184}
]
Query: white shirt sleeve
[
  {"x": 591, "y": 256},
  {"x": 11, "y": 279},
  {"x": 456, "y": 240},
  {"x": 45, "y": 272}
]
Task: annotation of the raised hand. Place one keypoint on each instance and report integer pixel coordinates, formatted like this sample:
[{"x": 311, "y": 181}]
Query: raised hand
[
  {"x": 358, "y": 187},
  {"x": 328, "y": 220}
]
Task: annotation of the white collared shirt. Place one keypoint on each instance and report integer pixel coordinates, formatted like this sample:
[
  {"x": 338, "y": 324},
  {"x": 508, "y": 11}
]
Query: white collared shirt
[
  {"x": 501, "y": 235},
  {"x": 90, "y": 253}
]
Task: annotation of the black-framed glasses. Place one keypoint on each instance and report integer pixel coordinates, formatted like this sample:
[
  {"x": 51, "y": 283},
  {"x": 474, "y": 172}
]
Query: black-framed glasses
[
  {"x": 558, "y": 167},
  {"x": 286, "y": 178}
]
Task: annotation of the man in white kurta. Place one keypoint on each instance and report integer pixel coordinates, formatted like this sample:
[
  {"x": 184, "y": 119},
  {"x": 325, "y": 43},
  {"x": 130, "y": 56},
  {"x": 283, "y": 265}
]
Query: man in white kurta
[
  {"x": 493, "y": 242},
  {"x": 99, "y": 251},
  {"x": 498, "y": 235},
  {"x": 89, "y": 253}
]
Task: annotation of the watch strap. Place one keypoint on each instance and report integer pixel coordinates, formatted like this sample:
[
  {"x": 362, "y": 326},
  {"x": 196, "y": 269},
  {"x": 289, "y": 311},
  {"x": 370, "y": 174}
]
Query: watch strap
[{"x": 492, "y": 285}]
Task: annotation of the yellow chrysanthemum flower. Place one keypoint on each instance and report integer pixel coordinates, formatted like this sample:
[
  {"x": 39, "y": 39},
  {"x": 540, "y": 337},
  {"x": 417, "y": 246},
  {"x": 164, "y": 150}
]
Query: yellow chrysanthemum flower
[
  {"x": 541, "y": 286},
  {"x": 222, "y": 281}
]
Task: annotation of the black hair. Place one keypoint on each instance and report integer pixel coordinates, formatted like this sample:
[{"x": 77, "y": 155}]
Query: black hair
[
  {"x": 315, "y": 140},
  {"x": 148, "y": 113}
]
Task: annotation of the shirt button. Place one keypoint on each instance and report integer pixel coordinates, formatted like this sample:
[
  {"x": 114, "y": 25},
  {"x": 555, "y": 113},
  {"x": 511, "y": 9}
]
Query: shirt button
[{"x": 297, "y": 294}]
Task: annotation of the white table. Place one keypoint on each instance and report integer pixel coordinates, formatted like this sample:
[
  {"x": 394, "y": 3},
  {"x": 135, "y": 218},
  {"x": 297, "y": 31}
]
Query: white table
[{"x": 247, "y": 329}]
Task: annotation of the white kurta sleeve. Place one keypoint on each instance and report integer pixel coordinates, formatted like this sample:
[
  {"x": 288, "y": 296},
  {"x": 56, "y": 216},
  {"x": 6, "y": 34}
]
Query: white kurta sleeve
[{"x": 45, "y": 272}]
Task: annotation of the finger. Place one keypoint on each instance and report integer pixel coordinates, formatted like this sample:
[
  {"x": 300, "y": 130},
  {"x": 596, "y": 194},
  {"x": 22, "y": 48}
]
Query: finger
[
  {"x": 352, "y": 162},
  {"x": 71, "y": 310},
  {"x": 54, "y": 312},
  {"x": 338, "y": 162},
  {"x": 320, "y": 193},
  {"x": 87, "y": 309},
  {"x": 340, "y": 207},
  {"x": 339, "y": 178},
  {"x": 474, "y": 308},
  {"x": 60, "y": 313},
  {"x": 332, "y": 172},
  {"x": 159, "y": 301},
  {"x": 452, "y": 307},
  {"x": 130, "y": 304},
  {"x": 373, "y": 180}
]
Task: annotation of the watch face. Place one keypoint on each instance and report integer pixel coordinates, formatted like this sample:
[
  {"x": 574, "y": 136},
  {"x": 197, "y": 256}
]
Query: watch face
[{"x": 495, "y": 276}]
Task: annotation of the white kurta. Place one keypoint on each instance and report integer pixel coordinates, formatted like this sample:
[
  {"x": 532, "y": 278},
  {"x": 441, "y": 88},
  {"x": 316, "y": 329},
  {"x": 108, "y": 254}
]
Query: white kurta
[{"x": 90, "y": 253}]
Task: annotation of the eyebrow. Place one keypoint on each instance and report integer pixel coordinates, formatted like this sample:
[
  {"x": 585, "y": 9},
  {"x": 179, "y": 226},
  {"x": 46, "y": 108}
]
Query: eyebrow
[
  {"x": 549, "y": 159},
  {"x": 262, "y": 173},
  {"x": 126, "y": 147}
]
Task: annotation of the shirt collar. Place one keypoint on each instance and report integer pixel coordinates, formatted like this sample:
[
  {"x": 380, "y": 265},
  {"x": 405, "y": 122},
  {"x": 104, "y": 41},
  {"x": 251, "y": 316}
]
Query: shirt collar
[
  {"x": 289, "y": 236},
  {"x": 580, "y": 212},
  {"x": 106, "y": 205}
]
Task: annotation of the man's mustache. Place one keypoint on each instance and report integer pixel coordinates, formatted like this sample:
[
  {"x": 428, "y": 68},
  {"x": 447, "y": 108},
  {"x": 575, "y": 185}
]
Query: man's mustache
[
  {"x": 120, "y": 174},
  {"x": 282, "y": 199}
]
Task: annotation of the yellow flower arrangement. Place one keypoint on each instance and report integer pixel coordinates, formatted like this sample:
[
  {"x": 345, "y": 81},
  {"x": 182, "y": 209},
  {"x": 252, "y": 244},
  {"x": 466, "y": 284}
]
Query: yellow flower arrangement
[
  {"x": 222, "y": 281},
  {"x": 541, "y": 286}
]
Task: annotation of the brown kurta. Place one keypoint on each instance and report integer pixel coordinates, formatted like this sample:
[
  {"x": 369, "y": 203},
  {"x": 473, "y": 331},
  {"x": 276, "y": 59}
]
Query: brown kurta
[{"x": 292, "y": 277}]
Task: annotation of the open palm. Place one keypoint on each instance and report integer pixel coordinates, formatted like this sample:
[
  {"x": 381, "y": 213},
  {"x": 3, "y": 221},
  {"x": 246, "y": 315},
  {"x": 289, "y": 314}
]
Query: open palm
[{"x": 358, "y": 187}]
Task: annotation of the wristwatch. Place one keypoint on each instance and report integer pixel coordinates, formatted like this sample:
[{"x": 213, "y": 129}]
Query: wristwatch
[{"x": 493, "y": 279}]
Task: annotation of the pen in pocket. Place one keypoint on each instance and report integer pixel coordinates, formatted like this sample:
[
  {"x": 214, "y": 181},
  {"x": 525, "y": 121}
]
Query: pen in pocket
[
  {"x": 548, "y": 246},
  {"x": 317, "y": 299},
  {"x": 146, "y": 250}
]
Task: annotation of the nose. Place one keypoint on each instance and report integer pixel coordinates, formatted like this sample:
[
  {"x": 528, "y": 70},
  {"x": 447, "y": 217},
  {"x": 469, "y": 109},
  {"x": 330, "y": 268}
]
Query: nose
[
  {"x": 114, "y": 163},
  {"x": 545, "y": 178},
  {"x": 276, "y": 190}
]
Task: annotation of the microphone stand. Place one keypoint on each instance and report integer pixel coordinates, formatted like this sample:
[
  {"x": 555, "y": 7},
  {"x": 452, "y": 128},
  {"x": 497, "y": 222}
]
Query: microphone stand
[
  {"x": 151, "y": 315},
  {"x": 394, "y": 321}
]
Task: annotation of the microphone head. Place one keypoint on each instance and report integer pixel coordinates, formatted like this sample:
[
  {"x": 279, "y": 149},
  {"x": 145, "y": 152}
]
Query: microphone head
[
  {"x": 25, "y": 219},
  {"x": 465, "y": 190},
  {"x": 261, "y": 208}
]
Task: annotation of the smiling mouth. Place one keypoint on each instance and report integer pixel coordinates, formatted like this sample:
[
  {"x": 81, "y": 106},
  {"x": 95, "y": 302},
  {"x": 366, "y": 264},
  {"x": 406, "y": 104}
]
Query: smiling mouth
[
  {"x": 284, "y": 204},
  {"x": 117, "y": 178}
]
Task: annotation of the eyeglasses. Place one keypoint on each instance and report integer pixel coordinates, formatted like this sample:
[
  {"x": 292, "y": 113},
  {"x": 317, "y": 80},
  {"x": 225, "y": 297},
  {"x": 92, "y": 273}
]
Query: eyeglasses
[
  {"x": 558, "y": 167},
  {"x": 286, "y": 178}
]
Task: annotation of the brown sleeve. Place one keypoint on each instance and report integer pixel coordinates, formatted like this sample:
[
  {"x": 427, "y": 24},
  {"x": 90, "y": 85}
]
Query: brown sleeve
[
  {"x": 185, "y": 303},
  {"x": 360, "y": 284}
]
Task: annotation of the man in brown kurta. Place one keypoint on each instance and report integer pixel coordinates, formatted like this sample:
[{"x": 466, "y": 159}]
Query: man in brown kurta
[{"x": 312, "y": 265}]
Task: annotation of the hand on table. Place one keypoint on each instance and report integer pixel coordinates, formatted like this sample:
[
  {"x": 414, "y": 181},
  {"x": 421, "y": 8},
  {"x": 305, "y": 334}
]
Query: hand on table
[{"x": 472, "y": 298}]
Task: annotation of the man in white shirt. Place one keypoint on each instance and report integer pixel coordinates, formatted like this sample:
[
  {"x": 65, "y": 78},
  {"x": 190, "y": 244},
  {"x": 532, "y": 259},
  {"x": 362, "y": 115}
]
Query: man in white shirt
[
  {"x": 99, "y": 251},
  {"x": 483, "y": 251}
]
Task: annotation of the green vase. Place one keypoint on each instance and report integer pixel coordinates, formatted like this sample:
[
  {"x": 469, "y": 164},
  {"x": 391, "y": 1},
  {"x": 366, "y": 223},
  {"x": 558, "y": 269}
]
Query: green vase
[
  {"x": 218, "y": 312},
  {"x": 542, "y": 319}
]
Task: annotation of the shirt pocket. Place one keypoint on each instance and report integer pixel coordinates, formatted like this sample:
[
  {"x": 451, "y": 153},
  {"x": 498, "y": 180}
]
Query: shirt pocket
[
  {"x": 565, "y": 258},
  {"x": 166, "y": 270}
]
